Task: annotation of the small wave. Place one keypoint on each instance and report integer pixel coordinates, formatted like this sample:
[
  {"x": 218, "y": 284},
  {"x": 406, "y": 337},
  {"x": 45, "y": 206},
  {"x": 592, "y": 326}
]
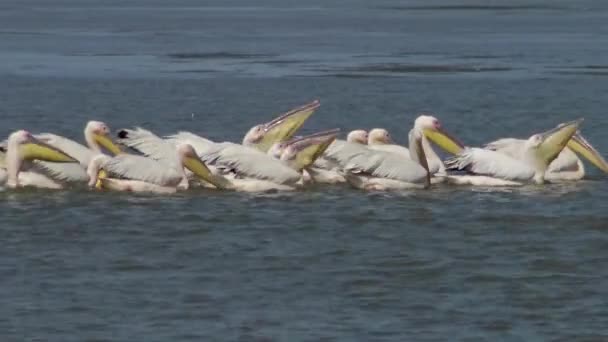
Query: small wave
[
  {"x": 398, "y": 68},
  {"x": 472, "y": 7},
  {"x": 218, "y": 55}
]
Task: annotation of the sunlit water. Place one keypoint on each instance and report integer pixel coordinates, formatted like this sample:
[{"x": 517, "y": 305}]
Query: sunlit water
[{"x": 328, "y": 263}]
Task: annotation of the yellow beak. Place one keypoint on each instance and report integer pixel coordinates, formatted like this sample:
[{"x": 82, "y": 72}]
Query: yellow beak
[
  {"x": 554, "y": 141},
  {"x": 107, "y": 143},
  {"x": 444, "y": 140},
  {"x": 36, "y": 149},
  {"x": 580, "y": 145},
  {"x": 311, "y": 147},
  {"x": 198, "y": 167},
  {"x": 285, "y": 126},
  {"x": 101, "y": 175}
]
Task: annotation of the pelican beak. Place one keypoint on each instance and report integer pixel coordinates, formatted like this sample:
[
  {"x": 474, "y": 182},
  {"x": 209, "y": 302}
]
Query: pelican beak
[
  {"x": 581, "y": 146},
  {"x": 37, "y": 149},
  {"x": 444, "y": 140},
  {"x": 107, "y": 143},
  {"x": 554, "y": 140},
  {"x": 198, "y": 167},
  {"x": 311, "y": 147},
  {"x": 285, "y": 126}
]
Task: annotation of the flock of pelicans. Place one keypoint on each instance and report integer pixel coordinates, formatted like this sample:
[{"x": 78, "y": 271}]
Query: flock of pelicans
[{"x": 271, "y": 157}]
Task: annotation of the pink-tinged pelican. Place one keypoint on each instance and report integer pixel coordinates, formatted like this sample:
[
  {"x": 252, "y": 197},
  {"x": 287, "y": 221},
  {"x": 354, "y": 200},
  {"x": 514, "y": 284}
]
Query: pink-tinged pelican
[
  {"x": 491, "y": 168},
  {"x": 16, "y": 169},
  {"x": 567, "y": 166}
]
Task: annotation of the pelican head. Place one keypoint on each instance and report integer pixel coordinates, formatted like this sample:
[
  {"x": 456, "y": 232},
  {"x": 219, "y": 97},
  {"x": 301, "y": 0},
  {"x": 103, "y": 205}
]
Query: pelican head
[
  {"x": 301, "y": 152},
  {"x": 358, "y": 136},
  {"x": 191, "y": 161},
  {"x": 280, "y": 129},
  {"x": 22, "y": 145},
  {"x": 581, "y": 146},
  {"x": 379, "y": 136},
  {"x": 97, "y": 135},
  {"x": 541, "y": 149},
  {"x": 431, "y": 127}
]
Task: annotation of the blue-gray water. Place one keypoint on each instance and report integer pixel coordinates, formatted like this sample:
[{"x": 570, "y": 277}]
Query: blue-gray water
[{"x": 326, "y": 264}]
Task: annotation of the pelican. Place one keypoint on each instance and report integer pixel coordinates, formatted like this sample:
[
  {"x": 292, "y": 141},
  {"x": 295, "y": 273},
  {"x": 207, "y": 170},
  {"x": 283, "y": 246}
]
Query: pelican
[
  {"x": 431, "y": 130},
  {"x": 15, "y": 167},
  {"x": 134, "y": 173},
  {"x": 567, "y": 166},
  {"x": 381, "y": 140},
  {"x": 373, "y": 169},
  {"x": 96, "y": 134},
  {"x": 325, "y": 169},
  {"x": 499, "y": 169},
  {"x": 281, "y": 128},
  {"x": 381, "y": 170}
]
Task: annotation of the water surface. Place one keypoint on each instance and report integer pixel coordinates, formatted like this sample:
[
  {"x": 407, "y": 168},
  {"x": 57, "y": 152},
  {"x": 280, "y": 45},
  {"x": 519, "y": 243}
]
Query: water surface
[{"x": 329, "y": 263}]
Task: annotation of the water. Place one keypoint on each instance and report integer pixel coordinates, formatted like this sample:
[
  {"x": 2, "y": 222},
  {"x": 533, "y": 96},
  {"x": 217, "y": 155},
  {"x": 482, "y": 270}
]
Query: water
[{"x": 329, "y": 263}]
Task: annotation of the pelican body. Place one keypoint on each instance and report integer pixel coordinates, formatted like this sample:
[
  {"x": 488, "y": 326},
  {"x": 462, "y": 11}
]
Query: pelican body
[
  {"x": 326, "y": 170},
  {"x": 374, "y": 169},
  {"x": 567, "y": 166},
  {"x": 498, "y": 169}
]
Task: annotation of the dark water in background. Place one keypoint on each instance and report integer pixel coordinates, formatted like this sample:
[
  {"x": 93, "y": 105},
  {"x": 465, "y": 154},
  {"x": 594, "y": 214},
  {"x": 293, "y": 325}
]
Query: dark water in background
[{"x": 328, "y": 264}]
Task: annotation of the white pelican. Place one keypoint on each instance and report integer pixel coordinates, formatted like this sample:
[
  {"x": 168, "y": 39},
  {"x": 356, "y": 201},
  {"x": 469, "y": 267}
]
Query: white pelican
[
  {"x": 97, "y": 137},
  {"x": 15, "y": 167},
  {"x": 381, "y": 140},
  {"x": 326, "y": 170},
  {"x": 498, "y": 169},
  {"x": 282, "y": 128},
  {"x": 431, "y": 129},
  {"x": 126, "y": 172},
  {"x": 380, "y": 170},
  {"x": 567, "y": 165},
  {"x": 280, "y": 168}
]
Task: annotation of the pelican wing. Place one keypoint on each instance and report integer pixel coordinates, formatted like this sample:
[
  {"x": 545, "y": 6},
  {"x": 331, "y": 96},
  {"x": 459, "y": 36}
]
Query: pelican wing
[
  {"x": 509, "y": 146},
  {"x": 490, "y": 163},
  {"x": 76, "y": 150},
  {"x": 341, "y": 152},
  {"x": 404, "y": 151},
  {"x": 249, "y": 162},
  {"x": 565, "y": 161},
  {"x": 62, "y": 172},
  {"x": 143, "y": 169},
  {"x": 150, "y": 145},
  {"x": 389, "y": 165},
  {"x": 200, "y": 144}
]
